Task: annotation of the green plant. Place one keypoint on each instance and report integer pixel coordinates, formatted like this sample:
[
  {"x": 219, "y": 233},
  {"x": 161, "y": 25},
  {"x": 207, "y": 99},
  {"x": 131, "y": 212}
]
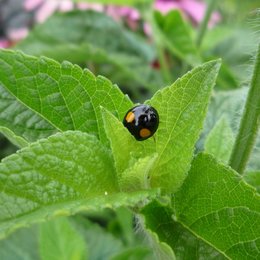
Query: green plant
[
  {"x": 81, "y": 187},
  {"x": 77, "y": 156}
]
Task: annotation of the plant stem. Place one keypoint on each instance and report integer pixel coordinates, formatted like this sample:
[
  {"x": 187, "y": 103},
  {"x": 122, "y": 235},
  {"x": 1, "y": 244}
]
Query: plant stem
[
  {"x": 249, "y": 124},
  {"x": 204, "y": 23}
]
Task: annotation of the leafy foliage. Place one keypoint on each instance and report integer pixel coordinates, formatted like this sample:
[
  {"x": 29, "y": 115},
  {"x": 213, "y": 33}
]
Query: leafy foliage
[
  {"x": 21, "y": 121},
  {"x": 181, "y": 120},
  {"x": 36, "y": 82},
  {"x": 153, "y": 199},
  {"x": 47, "y": 177},
  {"x": 253, "y": 178},
  {"x": 186, "y": 245},
  {"x": 59, "y": 240},
  {"x": 177, "y": 36},
  {"x": 220, "y": 140},
  {"x": 210, "y": 214},
  {"x": 225, "y": 197},
  {"x": 176, "y": 129},
  {"x": 93, "y": 41},
  {"x": 23, "y": 244},
  {"x": 51, "y": 39}
]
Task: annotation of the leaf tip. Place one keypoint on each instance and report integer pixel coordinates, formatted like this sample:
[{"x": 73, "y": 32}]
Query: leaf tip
[{"x": 215, "y": 63}]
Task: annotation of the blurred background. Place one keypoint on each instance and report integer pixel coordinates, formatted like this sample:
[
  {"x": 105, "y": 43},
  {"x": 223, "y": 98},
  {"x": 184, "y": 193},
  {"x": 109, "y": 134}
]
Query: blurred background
[{"x": 141, "y": 46}]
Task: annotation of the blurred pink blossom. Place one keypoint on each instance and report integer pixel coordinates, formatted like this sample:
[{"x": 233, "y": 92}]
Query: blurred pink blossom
[
  {"x": 17, "y": 34},
  {"x": 30, "y": 5},
  {"x": 87, "y": 6},
  {"x": 46, "y": 8},
  {"x": 4, "y": 43},
  {"x": 13, "y": 35},
  {"x": 147, "y": 29},
  {"x": 166, "y": 6},
  {"x": 194, "y": 9}
]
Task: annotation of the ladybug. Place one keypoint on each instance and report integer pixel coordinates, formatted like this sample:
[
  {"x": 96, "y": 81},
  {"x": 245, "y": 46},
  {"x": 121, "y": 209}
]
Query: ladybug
[{"x": 141, "y": 121}]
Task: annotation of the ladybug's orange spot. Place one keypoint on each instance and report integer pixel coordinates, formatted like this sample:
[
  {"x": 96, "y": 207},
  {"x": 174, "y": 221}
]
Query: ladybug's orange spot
[
  {"x": 130, "y": 117},
  {"x": 145, "y": 132}
]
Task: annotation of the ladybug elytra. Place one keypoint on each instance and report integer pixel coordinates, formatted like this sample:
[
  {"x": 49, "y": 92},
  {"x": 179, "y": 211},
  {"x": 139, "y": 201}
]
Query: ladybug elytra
[{"x": 142, "y": 121}]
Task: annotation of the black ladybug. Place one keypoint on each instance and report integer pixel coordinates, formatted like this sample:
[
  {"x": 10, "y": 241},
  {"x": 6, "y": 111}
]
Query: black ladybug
[{"x": 142, "y": 121}]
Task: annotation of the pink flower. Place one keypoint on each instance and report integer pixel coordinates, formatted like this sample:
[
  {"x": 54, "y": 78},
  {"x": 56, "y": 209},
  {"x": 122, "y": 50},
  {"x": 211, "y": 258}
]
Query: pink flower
[
  {"x": 17, "y": 34},
  {"x": 194, "y": 9},
  {"x": 13, "y": 36},
  {"x": 166, "y": 6},
  {"x": 46, "y": 8},
  {"x": 30, "y": 5},
  {"x": 4, "y": 43}
]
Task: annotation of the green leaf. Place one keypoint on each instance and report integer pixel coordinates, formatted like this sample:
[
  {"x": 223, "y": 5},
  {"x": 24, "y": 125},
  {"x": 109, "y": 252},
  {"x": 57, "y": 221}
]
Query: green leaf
[
  {"x": 220, "y": 140},
  {"x": 61, "y": 175},
  {"x": 59, "y": 240},
  {"x": 22, "y": 245},
  {"x": 230, "y": 104},
  {"x": 65, "y": 167},
  {"x": 228, "y": 42},
  {"x": 125, "y": 220},
  {"x": 176, "y": 36},
  {"x": 101, "y": 244},
  {"x": 226, "y": 79},
  {"x": 124, "y": 146},
  {"x": 121, "y": 141},
  {"x": 161, "y": 250},
  {"x": 186, "y": 245},
  {"x": 16, "y": 140},
  {"x": 19, "y": 123},
  {"x": 133, "y": 253},
  {"x": 253, "y": 178},
  {"x": 137, "y": 176},
  {"x": 224, "y": 103},
  {"x": 133, "y": 170},
  {"x": 182, "y": 108},
  {"x": 215, "y": 204},
  {"x": 93, "y": 41},
  {"x": 216, "y": 36},
  {"x": 84, "y": 35},
  {"x": 63, "y": 94}
]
